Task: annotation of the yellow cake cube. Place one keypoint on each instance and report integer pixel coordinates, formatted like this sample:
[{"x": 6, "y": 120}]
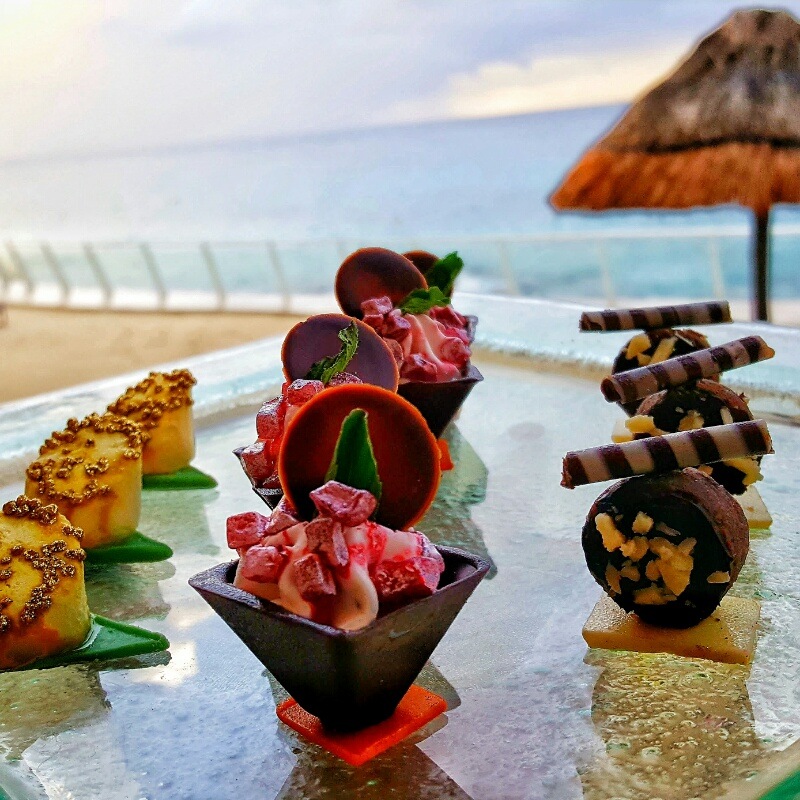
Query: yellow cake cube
[
  {"x": 92, "y": 470},
  {"x": 162, "y": 405},
  {"x": 43, "y": 609}
]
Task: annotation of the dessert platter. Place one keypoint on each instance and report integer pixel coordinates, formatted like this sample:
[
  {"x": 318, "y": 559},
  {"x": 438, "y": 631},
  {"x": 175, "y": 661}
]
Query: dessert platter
[{"x": 518, "y": 704}]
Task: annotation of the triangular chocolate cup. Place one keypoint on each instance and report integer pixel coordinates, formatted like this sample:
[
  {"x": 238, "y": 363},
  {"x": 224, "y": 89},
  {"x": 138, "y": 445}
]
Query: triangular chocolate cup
[
  {"x": 349, "y": 679},
  {"x": 271, "y": 496},
  {"x": 439, "y": 402}
]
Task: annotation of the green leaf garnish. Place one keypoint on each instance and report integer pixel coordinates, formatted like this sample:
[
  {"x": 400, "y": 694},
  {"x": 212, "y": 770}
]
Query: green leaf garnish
[
  {"x": 422, "y": 300},
  {"x": 187, "y": 478},
  {"x": 444, "y": 272},
  {"x": 353, "y": 460},
  {"x": 136, "y": 548},
  {"x": 324, "y": 369}
]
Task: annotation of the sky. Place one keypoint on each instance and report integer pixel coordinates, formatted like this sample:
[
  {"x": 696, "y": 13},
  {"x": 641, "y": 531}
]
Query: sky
[{"x": 128, "y": 75}]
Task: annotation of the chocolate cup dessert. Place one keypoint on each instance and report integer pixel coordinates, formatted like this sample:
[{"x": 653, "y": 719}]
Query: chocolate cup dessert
[
  {"x": 270, "y": 495},
  {"x": 348, "y": 679},
  {"x": 439, "y": 402},
  {"x": 683, "y": 581},
  {"x": 687, "y": 341},
  {"x": 708, "y": 399}
]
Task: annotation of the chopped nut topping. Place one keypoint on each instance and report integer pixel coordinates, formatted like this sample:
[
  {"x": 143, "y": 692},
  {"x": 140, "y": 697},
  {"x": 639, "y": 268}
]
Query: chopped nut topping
[
  {"x": 653, "y": 596},
  {"x": 725, "y": 415},
  {"x": 664, "y": 349},
  {"x": 612, "y": 579},
  {"x": 635, "y": 549},
  {"x": 652, "y": 572},
  {"x": 630, "y": 572},
  {"x": 719, "y": 577},
  {"x": 642, "y": 524},
  {"x": 639, "y": 344},
  {"x": 692, "y": 421},
  {"x": 674, "y": 562},
  {"x": 642, "y": 423},
  {"x": 612, "y": 537},
  {"x": 748, "y": 466}
]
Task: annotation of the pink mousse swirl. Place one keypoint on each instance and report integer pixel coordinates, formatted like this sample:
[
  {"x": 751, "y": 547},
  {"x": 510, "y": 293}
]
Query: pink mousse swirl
[
  {"x": 430, "y": 347},
  {"x": 339, "y": 567}
]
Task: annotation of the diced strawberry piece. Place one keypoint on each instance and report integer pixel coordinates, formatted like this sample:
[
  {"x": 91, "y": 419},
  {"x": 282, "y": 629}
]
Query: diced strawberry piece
[
  {"x": 279, "y": 521},
  {"x": 374, "y": 321},
  {"x": 301, "y": 391},
  {"x": 286, "y": 507},
  {"x": 395, "y": 326},
  {"x": 344, "y": 503},
  {"x": 325, "y": 536},
  {"x": 269, "y": 420},
  {"x": 448, "y": 316},
  {"x": 344, "y": 377},
  {"x": 418, "y": 368},
  {"x": 405, "y": 580},
  {"x": 257, "y": 461},
  {"x": 263, "y": 564},
  {"x": 396, "y": 350},
  {"x": 245, "y": 530},
  {"x": 455, "y": 351},
  {"x": 377, "y": 305},
  {"x": 313, "y": 578}
]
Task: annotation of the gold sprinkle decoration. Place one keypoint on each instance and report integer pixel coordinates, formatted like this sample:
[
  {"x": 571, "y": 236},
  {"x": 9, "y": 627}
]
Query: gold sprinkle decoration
[{"x": 151, "y": 398}]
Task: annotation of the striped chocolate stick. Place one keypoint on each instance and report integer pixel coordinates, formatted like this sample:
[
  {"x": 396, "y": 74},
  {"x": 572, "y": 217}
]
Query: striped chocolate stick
[
  {"x": 649, "y": 319},
  {"x": 634, "y": 384},
  {"x": 665, "y": 453}
]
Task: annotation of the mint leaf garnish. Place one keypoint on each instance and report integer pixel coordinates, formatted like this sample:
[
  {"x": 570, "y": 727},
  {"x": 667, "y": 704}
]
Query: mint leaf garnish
[
  {"x": 422, "y": 300},
  {"x": 444, "y": 272},
  {"x": 324, "y": 369},
  {"x": 353, "y": 462}
]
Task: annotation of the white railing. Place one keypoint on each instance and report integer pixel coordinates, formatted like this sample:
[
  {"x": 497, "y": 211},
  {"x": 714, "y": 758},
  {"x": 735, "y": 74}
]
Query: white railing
[{"x": 297, "y": 276}]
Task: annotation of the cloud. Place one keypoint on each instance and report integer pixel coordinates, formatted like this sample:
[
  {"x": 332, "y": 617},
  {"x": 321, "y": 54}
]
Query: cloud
[{"x": 548, "y": 82}]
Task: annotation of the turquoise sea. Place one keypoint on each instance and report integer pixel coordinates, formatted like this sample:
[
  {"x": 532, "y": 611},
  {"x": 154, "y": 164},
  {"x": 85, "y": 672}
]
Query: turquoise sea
[{"x": 441, "y": 184}]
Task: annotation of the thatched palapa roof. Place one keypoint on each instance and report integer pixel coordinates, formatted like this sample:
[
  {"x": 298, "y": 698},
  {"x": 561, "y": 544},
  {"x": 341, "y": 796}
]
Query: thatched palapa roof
[{"x": 723, "y": 128}]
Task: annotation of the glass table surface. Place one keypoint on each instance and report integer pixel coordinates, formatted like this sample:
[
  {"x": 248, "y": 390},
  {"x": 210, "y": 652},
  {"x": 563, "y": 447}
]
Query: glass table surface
[{"x": 532, "y": 711}]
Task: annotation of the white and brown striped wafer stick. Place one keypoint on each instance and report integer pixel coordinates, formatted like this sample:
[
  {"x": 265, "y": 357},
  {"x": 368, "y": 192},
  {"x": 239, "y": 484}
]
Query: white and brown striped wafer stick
[
  {"x": 665, "y": 453},
  {"x": 649, "y": 319},
  {"x": 634, "y": 384}
]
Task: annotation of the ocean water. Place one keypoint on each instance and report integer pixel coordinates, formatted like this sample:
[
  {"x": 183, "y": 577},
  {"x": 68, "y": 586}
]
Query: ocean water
[{"x": 438, "y": 184}]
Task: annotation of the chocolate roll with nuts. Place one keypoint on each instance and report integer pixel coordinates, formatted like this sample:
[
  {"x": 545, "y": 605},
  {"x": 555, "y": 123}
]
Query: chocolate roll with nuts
[
  {"x": 653, "y": 347},
  {"x": 667, "y": 547},
  {"x": 704, "y": 404}
]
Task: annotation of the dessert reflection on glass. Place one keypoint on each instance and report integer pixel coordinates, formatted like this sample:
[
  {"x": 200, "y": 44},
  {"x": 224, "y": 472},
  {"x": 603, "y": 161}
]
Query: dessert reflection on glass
[
  {"x": 336, "y": 592},
  {"x": 413, "y": 314},
  {"x": 668, "y": 542},
  {"x": 659, "y": 339},
  {"x": 324, "y": 351}
]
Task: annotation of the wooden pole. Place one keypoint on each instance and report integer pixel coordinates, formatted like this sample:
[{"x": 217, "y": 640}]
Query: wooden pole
[{"x": 761, "y": 268}]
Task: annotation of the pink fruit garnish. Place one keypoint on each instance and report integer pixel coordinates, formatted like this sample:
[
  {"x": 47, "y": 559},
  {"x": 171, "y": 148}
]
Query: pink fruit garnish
[
  {"x": 377, "y": 306},
  {"x": 344, "y": 377},
  {"x": 345, "y": 504},
  {"x": 258, "y": 462},
  {"x": 448, "y": 316},
  {"x": 418, "y": 368},
  {"x": 279, "y": 521},
  {"x": 406, "y": 580},
  {"x": 455, "y": 351},
  {"x": 325, "y": 536},
  {"x": 263, "y": 564},
  {"x": 246, "y": 530},
  {"x": 269, "y": 420},
  {"x": 313, "y": 578},
  {"x": 301, "y": 391}
]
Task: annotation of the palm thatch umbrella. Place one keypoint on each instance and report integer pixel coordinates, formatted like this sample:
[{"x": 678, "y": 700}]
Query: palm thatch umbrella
[{"x": 723, "y": 128}]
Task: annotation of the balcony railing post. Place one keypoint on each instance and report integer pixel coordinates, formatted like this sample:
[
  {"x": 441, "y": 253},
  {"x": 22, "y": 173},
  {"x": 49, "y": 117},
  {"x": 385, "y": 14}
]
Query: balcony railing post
[
  {"x": 512, "y": 286},
  {"x": 213, "y": 273},
  {"x": 22, "y": 268},
  {"x": 280, "y": 276},
  {"x": 93, "y": 260},
  {"x": 55, "y": 267},
  {"x": 155, "y": 273}
]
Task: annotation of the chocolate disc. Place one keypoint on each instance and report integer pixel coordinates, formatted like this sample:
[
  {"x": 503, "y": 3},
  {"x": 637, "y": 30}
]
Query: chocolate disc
[
  {"x": 701, "y": 404},
  {"x": 405, "y": 450},
  {"x": 375, "y": 272},
  {"x": 421, "y": 259},
  {"x": 686, "y": 341},
  {"x": 318, "y": 338},
  {"x": 667, "y": 547}
]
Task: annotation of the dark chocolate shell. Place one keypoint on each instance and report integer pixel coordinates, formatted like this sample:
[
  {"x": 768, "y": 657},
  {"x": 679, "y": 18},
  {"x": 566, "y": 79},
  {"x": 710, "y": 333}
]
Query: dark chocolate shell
[
  {"x": 688, "y": 341},
  {"x": 440, "y": 402},
  {"x": 375, "y": 272},
  {"x": 406, "y": 452},
  {"x": 318, "y": 337},
  {"x": 682, "y": 505},
  {"x": 708, "y": 398},
  {"x": 271, "y": 495},
  {"x": 349, "y": 679}
]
